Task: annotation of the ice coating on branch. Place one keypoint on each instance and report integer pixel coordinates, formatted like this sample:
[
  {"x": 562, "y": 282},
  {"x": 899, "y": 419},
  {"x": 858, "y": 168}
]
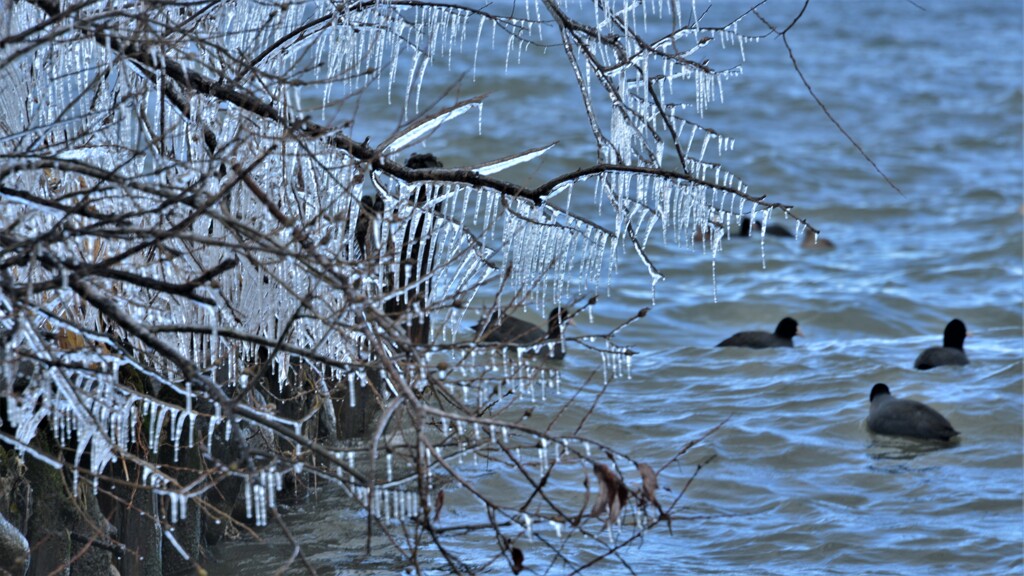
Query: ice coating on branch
[{"x": 305, "y": 265}]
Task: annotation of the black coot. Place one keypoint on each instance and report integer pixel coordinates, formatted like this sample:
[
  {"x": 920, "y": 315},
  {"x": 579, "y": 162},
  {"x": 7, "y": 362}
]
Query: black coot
[
  {"x": 773, "y": 229},
  {"x": 950, "y": 353},
  {"x": 899, "y": 417},
  {"x": 783, "y": 336},
  {"x": 515, "y": 332}
]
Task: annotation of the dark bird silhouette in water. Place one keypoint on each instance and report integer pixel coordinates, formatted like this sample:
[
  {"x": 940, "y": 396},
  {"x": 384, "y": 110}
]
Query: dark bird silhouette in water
[
  {"x": 899, "y": 417},
  {"x": 423, "y": 161},
  {"x": 951, "y": 353},
  {"x": 782, "y": 337},
  {"x": 515, "y": 332},
  {"x": 746, "y": 226}
]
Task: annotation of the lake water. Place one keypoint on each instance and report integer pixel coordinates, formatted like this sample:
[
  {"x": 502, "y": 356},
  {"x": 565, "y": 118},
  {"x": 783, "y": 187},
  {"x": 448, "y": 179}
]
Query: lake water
[{"x": 798, "y": 485}]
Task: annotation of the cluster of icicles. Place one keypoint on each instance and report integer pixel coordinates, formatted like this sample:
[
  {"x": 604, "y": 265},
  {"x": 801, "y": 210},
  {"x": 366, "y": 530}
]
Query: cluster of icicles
[
  {"x": 459, "y": 260},
  {"x": 90, "y": 410}
]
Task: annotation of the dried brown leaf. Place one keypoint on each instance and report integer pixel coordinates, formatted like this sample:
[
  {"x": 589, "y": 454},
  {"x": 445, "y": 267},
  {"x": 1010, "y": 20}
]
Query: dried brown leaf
[
  {"x": 605, "y": 486},
  {"x": 613, "y": 493},
  {"x": 618, "y": 503},
  {"x": 586, "y": 499},
  {"x": 438, "y": 505},
  {"x": 649, "y": 488}
]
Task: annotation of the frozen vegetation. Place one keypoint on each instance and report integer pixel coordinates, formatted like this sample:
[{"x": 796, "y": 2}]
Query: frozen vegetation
[{"x": 213, "y": 295}]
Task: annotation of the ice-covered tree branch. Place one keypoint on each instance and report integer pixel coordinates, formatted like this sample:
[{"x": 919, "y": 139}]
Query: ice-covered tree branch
[{"x": 215, "y": 291}]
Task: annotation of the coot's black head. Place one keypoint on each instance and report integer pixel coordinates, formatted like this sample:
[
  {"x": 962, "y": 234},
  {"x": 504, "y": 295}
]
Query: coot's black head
[
  {"x": 955, "y": 333},
  {"x": 878, "y": 390},
  {"x": 558, "y": 318},
  {"x": 788, "y": 328},
  {"x": 421, "y": 161},
  {"x": 745, "y": 226}
]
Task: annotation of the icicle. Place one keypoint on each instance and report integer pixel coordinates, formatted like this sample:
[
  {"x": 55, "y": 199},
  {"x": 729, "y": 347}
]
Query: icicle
[
  {"x": 247, "y": 489},
  {"x": 168, "y": 534},
  {"x": 542, "y": 455},
  {"x": 558, "y": 528}
]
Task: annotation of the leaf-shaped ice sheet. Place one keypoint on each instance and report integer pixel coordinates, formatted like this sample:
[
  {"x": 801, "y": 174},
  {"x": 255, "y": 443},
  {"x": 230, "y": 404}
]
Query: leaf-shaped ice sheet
[
  {"x": 381, "y": 190},
  {"x": 418, "y": 129},
  {"x": 496, "y": 166}
]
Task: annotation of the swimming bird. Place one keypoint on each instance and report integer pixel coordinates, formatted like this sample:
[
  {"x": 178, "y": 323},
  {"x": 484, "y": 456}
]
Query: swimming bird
[
  {"x": 782, "y": 337},
  {"x": 773, "y": 229},
  {"x": 950, "y": 353},
  {"x": 898, "y": 417},
  {"x": 515, "y": 332}
]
